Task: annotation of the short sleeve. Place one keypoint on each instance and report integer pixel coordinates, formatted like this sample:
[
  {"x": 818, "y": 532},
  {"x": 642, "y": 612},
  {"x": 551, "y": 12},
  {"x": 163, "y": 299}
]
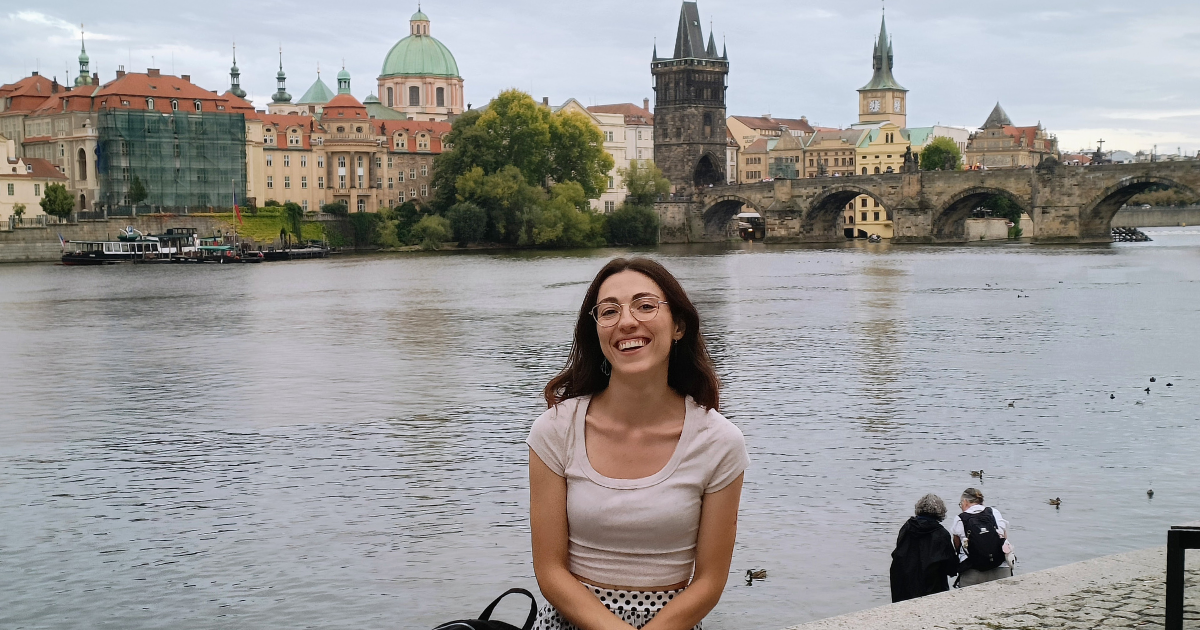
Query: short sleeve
[
  {"x": 727, "y": 449},
  {"x": 549, "y": 438}
]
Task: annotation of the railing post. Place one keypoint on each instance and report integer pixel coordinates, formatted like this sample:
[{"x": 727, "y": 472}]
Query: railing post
[{"x": 1175, "y": 558}]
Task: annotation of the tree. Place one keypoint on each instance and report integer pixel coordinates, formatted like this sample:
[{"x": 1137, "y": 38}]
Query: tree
[
  {"x": 468, "y": 222},
  {"x": 407, "y": 214},
  {"x": 517, "y": 132},
  {"x": 564, "y": 220},
  {"x": 644, "y": 183},
  {"x": 941, "y": 155},
  {"x": 337, "y": 208},
  {"x": 57, "y": 202},
  {"x": 633, "y": 225},
  {"x": 293, "y": 216},
  {"x": 18, "y": 210},
  {"x": 1001, "y": 206},
  {"x": 431, "y": 231},
  {"x": 137, "y": 191}
]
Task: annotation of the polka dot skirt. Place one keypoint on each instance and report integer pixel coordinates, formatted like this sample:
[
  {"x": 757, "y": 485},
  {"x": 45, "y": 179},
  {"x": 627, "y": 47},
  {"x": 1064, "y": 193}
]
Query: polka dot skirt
[{"x": 635, "y": 608}]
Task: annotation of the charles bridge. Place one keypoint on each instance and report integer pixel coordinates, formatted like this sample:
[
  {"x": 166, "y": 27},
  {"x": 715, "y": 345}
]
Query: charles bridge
[{"x": 1066, "y": 203}]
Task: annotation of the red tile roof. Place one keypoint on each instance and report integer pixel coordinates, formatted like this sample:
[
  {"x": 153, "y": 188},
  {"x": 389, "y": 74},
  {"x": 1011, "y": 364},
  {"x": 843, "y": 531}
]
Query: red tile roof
[
  {"x": 634, "y": 115},
  {"x": 42, "y": 169},
  {"x": 344, "y": 106},
  {"x": 26, "y": 94},
  {"x": 763, "y": 123}
]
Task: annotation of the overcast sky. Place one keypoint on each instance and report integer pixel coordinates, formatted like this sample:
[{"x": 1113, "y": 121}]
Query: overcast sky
[{"x": 1125, "y": 71}]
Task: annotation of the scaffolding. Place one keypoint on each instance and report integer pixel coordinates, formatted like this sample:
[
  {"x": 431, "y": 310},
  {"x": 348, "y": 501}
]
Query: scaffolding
[{"x": 183, "y": 160}]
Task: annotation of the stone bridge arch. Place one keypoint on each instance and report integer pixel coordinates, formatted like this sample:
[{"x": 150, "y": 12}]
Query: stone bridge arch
[
  {"x": 950, "y": 220},
  {"x": 720, "y": 210},
  {"x": 1095, "y": 217},
  {"x": 826, "y": 207}
]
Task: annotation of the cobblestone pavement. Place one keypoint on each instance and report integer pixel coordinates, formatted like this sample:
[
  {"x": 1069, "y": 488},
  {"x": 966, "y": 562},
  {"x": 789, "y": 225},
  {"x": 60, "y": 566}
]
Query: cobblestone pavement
[{"x": 1137, "y": 603}]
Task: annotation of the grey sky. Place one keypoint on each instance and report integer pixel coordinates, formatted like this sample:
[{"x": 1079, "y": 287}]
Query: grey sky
[{"x": 1125, "y": 71}]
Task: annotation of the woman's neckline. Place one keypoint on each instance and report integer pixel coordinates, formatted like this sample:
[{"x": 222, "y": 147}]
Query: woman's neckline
[{"x": 685, "y": 437}]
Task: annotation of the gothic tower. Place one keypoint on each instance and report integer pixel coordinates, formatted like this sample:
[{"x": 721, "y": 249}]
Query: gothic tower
[
  {"x": 883, "y": 99},
  {"x": 689, "y": 107}
]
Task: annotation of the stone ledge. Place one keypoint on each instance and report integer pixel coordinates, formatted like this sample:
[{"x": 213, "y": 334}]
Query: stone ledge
[{"x": 975, "y": 605}]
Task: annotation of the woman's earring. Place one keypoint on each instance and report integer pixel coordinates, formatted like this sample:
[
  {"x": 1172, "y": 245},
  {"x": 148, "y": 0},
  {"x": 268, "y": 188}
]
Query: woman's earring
[{"x": 605, "y": 367}]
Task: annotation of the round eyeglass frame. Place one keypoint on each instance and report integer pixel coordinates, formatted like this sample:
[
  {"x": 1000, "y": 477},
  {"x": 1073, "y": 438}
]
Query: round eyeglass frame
[{"x": 657, "y": 307}]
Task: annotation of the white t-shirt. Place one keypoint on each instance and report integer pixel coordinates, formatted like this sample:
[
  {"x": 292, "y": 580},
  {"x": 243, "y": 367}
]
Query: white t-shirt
[
  {"x": 638, "y": 532},
  {"x": 957, "y": 529}
]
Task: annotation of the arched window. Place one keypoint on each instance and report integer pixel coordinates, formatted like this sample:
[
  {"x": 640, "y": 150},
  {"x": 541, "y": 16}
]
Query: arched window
[
  {"x": 864, "y": 170},
  {"x": 876, "y": 170},
  {"x": 174, "y": 105},
  {"x": 81, "y": 167},
  {"x": 149, "y": 103},
  {"x": 197, "y": 104},
  {"x": 389, "y": 97},
  {"x": 414, "y": 95},
  {"x": 441, "y": 97},
  {"x": 362, "y": 204}
]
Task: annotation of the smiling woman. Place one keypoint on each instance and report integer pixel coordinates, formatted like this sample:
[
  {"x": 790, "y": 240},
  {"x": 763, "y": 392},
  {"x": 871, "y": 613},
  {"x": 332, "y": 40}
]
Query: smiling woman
[{"x": 635, "y": 478}]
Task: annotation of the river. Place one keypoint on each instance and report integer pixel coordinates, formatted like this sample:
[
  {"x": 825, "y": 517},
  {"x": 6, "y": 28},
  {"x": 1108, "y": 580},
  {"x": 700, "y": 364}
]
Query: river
[{"x": 339, "y": 443}]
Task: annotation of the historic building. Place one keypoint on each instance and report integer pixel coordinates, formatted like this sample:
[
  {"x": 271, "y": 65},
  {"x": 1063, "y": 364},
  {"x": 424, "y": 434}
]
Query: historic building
[
  {"x": 689, "y": 107},
  {"x": 1000, "y": 144},
  {"x": 17, "y": 101},
  {"x": 883, "y": 99},
  {"x": 420, "y": 76},
  {"x": 23, "y": 182},
  {"x": 747, "y": 129}
]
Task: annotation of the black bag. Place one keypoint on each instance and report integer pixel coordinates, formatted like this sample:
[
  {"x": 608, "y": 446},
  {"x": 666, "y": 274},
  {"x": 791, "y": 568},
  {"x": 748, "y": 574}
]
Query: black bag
[
  {"x": 985, "y": 547},
  {"x": 484, "y": 622}
]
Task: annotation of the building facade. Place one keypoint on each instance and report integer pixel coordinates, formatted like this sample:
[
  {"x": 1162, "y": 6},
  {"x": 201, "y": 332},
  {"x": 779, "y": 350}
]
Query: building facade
[
  {"x": 747, "y": 129},
  {"x": 1000, "y": 144},
  {"x": 23, "y": 182},
  {"x": 420, "y": 76},
  {"x": 689, "y": 108}
]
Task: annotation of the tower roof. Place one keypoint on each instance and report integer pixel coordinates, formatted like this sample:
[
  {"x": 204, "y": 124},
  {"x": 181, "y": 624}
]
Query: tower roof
[
  {"x": 419, "y": 55},
  {"x": 881, "y": 63},
  {"x": 318, "y": 94},
  {"x": 689, "y": 39},
  {"x": 997, "y": 119}
]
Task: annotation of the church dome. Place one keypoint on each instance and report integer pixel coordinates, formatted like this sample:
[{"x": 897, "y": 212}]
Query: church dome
[{"x": 419, "y": 54}]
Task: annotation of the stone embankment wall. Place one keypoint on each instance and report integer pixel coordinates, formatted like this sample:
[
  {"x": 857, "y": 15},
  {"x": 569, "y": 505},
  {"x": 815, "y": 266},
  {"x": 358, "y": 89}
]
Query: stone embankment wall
[
  {"x": 41, "y": 244},
  {"x": 1122, "y": 591},
  {"x": 1157, "y": 217}
]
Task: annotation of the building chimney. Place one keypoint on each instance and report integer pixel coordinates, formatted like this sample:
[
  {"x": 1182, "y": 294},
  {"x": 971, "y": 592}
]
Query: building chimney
[
  {"x": 545, "y": 101},
  {"x": 120, "y": 73},
  {"x": 152, "y": 72},
  {"x": 54, "y": 86},
  {"x": 35, "y": 73},
  {"x": 646, "y": 104},
  {"x": 95, "y": 78},
  {"x": 186, "y": 77}
]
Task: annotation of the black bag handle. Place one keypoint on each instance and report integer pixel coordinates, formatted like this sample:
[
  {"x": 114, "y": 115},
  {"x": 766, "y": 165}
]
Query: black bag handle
[{"x": 487, "y": 612}]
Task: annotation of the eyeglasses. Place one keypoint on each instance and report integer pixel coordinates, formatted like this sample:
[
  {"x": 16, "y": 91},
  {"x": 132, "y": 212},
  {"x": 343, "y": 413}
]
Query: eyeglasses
[{"x": 607, "y": 314}]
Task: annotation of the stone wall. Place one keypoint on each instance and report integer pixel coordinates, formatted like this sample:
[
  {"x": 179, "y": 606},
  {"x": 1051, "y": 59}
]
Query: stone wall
[
  {"x": 41, "y": 244},
  {"x": 1157, "y": 217}
]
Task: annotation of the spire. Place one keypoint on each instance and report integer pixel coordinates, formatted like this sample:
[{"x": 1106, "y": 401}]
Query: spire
[
  {"x": 711, "y": 51},
  {"x": 997, "y": 119},
  {"x": 689, "y": 39},
  {"x": 85, "y": 75},
  {"x": 882, "y": 62},
  {"x": 235, "y": 77},
  {"x": 654, "y": 57},
  {"x": 281, "y": 95},
  {"x": 724, "y": 54}
]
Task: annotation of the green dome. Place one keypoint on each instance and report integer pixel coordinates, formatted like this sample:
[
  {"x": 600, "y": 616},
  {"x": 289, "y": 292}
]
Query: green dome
[
  {"x": 419, "y": 55},
  {"x": 419, "y": 16}
]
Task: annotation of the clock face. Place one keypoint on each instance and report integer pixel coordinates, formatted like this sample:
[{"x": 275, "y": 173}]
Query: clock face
[
  {"x": 896, "y": 106},
  {"x": 873, "y": 105}
]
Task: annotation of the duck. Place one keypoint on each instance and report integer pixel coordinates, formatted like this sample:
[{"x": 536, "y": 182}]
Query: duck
[
  {"x": 1012, "y": 403},
  {"x": 1055, "y": 501},
  {"x": 1147, "y": 390},
  {"x": 1112, "y": 396},
  {"x": 977, "y": 473},
  {"x": 1152, "y": 379},
  {"x": 1150, "y": 493},
  {"x": 1170, "y": 384},
  {"x": 756, "y": 574}
]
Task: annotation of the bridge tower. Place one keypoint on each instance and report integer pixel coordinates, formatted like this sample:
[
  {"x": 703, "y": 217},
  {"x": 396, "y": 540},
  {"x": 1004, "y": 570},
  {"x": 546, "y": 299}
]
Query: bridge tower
[
  {"x": 689, "y": 107},
  {"x": 883, "y": 99}
]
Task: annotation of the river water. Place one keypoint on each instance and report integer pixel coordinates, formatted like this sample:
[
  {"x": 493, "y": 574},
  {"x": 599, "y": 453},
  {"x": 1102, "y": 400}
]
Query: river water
[{"x": 339, "y": 444}]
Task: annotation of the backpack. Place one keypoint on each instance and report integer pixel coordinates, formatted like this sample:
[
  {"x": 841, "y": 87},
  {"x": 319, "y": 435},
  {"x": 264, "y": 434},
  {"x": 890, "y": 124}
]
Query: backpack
[
  {"x": 985, "y": 547},
  {"x": 485, "y": 622}
]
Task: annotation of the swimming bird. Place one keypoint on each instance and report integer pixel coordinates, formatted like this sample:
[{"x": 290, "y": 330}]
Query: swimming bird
[
  {"x": 1147, "y": 390},
  {"x": 1055, "y": 502},
  {"x": 1170, "y": 384},
  {"x": 1112, "y": 396},
  {"x": 756, "y": 574},
  {"x": 1152, "y": 379},
  {"x": 1012, "y": 403},
  {"x": 1150, "y": 493},
  {"x": 977, "y": 473}
]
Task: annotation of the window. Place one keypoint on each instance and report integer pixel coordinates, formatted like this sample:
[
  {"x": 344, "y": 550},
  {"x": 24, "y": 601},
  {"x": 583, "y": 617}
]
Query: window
[
  {"x": 864, "y": 170},
  {"x": 149, "y": 103},
  {"x": 321, "y": 182},
  {"x": 270, "y": 159},
  {"x": 362, "y": 204},
  {"x": 876, "y": 215},
  {"x": 609, "y": 206},
  {"x": 391, "y": 183},
  {"x": 389, "y": 98},
  {"x": 37, "y": 190},
  {"x": 441, "y": 97},
  {"x": 412, "y": 192},
  {"x": 287, "y": 160},
  {"x": 303, "y": 182},
  {"x": 639, "y": 134},
  {"x": 401, "y": 142},
  {"x": 810, "y": 163},
  {"x": 379, "y": 182},
  {"x": 424, "y": 190},
  {"x": 294, "y": 139},
  {"x": 608, "y": 136},
  {"x": 320, "y": 161},
  {"x": 864, "y": 216},
  {"x": 400, "y": 175},
  {"x": 424, "y": 170},
  {"x": 422, "y": 142},
  {"x": 640, "y": 154},
  {"x": 378, "y": 162},
  {"x": 412, "y": 173},
  {"x": 864, "y": 202},
  {"x": 303, "y": 161},
  {"x": 270, "y": 182},
  {"x": 414, "y": 96},
  {"x": 174, "y": 105},
  {"x": 197, "y": 105},
  {"x": 341, "y": 161},
  {"x": 287, "y": 181},
  {"x": 341, "y": 181},
  {"x": 304, "y": 204},
  {"x": 389, "y": 161},
  {"x": 876, "y": 170},
  {"x": 12, "y": 190},
  {"x": 611, "y": 182},
  {"x": 876, "y": 203}
]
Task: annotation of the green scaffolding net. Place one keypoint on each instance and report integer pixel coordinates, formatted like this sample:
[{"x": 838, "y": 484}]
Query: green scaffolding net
[{"x": 183, "y": 161}]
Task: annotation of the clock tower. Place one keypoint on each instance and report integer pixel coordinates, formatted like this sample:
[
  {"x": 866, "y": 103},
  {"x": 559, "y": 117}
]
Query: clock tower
[{"x": 883, "y": 100}]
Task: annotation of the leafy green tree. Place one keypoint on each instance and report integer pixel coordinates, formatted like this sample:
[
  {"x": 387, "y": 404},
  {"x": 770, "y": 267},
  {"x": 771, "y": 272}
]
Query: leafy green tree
[
  {"x": 941, "y": 155},
  {"x": 517, "y": 132},
  {"x": 271, "y": 203},
  {"x": 18, "y": 210},
  {"x": 509, "y": 200},
  {"x": 468, "y": 221},
  {"x": 564, "y": 220},
  {"x": 1001, "y": 206},
  {"x": 386, "y": 232},
  {"x": 431, "y": 231},
  {"x": 57, "y": 202},
  {"x": 645, "y": 183},
  {"x": 293, "y": 216},
  {"x": 633, "y": 225},
  {"x": 137, "y": 191},
  {"x": 337, "y": 208},
  {"x": 407, "y": 215}
]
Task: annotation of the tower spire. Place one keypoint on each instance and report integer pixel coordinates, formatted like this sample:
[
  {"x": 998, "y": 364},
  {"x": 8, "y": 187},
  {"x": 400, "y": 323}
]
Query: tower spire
[
  {"x": 85, "y": 74},
  {"x": 281, "y": 95},
  {"x": 235, "y": 77}
]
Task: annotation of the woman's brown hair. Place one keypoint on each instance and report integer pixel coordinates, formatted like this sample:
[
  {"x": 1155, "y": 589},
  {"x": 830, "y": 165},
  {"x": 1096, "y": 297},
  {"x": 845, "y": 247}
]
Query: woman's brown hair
[{"x": 689, "y": 371}]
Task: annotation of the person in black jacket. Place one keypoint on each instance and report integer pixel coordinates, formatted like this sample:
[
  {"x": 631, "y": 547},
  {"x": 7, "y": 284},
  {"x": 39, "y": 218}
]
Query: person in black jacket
[{"x": 924, "y": 556}]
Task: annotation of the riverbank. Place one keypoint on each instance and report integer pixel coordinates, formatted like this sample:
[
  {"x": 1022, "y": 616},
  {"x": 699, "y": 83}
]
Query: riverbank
[{"x": 1121, "y": 591}]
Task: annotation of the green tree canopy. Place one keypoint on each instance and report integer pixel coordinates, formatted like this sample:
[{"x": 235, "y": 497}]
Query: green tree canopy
[
  {"x": 57, "y": 202},
  {"x": 645, "y": 183},
  {"x": 515, "y": 131},
  {"x": 431, "y": 231},
  {"x": 468, "y": 221},
  {"x": 137, "y": 191},
  {"x": 941, "y": 155},
  {"x": 633, "y": 225},
  {"x": 293, "y": 214}
]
